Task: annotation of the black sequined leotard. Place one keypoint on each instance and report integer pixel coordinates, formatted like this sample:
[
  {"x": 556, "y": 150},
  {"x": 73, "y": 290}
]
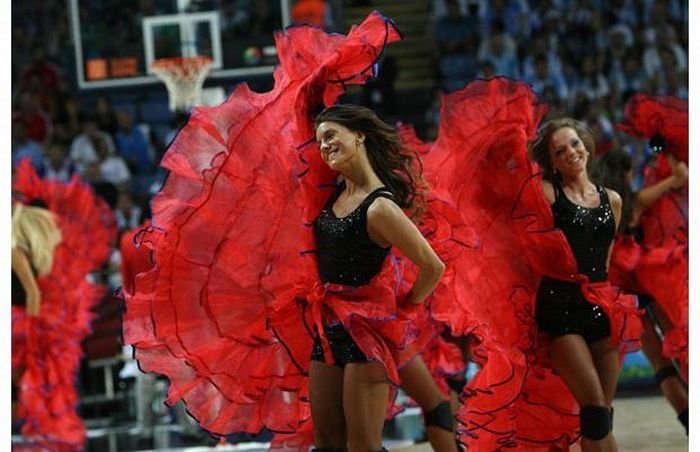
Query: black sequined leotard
[
  {"x": 346, "y": 255},
  {"x": 561, "y": 308}
]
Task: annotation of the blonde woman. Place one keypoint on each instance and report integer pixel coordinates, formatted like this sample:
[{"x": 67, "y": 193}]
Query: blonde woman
[{"x": 35, "y": 235}]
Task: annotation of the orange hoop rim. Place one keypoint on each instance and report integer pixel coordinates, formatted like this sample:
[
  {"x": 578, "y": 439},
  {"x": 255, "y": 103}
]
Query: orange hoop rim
[{"x": 180, "y": 62}]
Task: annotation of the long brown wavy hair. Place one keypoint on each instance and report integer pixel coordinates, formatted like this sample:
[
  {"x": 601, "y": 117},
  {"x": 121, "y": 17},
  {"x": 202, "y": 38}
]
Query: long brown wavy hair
[
  {"x": 397, "y": 165},
  {"x": 539, "y": 148},
  {"x": 610, "y": 170}
]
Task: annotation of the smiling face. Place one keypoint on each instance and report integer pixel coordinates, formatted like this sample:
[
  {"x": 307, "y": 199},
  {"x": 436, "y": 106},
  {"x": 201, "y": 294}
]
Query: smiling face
[
  {"x": 567, "y": 152},
  {"x": 338, "y": 144}
]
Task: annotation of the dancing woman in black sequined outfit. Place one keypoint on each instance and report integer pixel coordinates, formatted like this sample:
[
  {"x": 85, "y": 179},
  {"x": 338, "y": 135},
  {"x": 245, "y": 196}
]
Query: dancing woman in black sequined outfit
[
  {"x": 354, "y": 233},
  {"x": 582, "y": 352},
  {"x": 645, "y": 276}
]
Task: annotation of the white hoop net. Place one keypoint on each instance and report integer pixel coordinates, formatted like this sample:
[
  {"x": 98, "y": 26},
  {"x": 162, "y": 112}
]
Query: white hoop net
[{"x": 183, "y": 77}]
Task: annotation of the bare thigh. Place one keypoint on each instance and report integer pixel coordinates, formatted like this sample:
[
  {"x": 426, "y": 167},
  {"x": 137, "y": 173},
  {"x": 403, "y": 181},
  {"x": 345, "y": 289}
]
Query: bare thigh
[
  {"x": 419, "y": 384},
  {"x": 607, "y": 362},
  {"x": 573, "y": 361},
  {"x": 326, "y": 393},
  {"x": 365, "y": 397}
]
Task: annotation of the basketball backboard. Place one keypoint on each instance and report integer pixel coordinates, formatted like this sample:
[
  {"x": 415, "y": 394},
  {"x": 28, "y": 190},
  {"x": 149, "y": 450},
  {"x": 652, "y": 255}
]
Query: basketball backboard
[{"x": 116, "y": 41}]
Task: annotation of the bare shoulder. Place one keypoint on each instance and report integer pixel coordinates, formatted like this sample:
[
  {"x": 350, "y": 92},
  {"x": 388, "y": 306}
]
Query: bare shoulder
[
  {"x": 18, "y": 252},
  {"x": 548, "y": 189},
  {"x": 382, "y": 209},
  {"x": 614, "y": 197}
]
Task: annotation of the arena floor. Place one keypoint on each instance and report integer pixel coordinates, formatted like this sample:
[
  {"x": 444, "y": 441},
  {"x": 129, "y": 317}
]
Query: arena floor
[{"x": 642, "y": 424}]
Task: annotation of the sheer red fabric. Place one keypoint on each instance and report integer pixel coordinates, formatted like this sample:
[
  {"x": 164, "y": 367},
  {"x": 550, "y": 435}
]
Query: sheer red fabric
[
  {"x": 646, "y": 115},
  {"x": 49, "y": 345},
  {"x": 134, "y": 259},
  {"x": 515, "y": 400}
]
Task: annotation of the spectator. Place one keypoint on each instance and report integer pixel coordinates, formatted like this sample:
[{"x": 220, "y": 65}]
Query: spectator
[
  {"x": 590, "y": 83},
  {"x": 620, "y": 43},
  {"x": 499, "y": 48},
  {"x": 538, "y": 45},
  {"x": 127, "y": 213},
  {"x": 41, "y": 77},
  {"x": 439, "y": 8},
  {"x": 544, "y": 79},
  {"x": 37, "y": 123},
  {"x": 665, "y": 36},
  {"x": 631, "y": 78},
  {"x": 68, "y": 119},
  {"x": 133, "y": 145},
  {"x": 453, "y": 30},
  {"x": 486, "y": 70},
  {"x": 82, "y": 149},
  {"x": 113, "y": 169},
  {"x": 668, "y": 79},
  {"x": 56, "y": 165},
  {"x": 457, "y": 69},
  {"x": 507, "y": 15},
  {"x": 105, "y": 190},
  {"x": 24, "y": 147},
  {"x": 105, "y": 116},
  {"x": 623, "y": 12},
  {"x": 658, "y": 13}
]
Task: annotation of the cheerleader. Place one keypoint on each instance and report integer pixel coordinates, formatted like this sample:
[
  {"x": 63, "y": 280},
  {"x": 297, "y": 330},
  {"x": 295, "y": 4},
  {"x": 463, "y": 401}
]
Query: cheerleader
[
  {"x": 35, "y": 236},
  {"x": 55, "y": 247},
  {"x": 354, "y": 233},
  {"x": 661, "y": 270}
]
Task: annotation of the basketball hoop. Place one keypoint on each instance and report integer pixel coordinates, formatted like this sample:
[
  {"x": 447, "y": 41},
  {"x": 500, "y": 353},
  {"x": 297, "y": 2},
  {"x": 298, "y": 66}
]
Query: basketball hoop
[{"x": 183, "y": 77}]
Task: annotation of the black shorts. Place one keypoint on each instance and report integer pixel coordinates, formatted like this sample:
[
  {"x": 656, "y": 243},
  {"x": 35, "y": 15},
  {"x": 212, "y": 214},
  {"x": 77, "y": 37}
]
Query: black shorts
[
  {"x": 561, "y": 309},
  {"x": 343, "y": 347}
]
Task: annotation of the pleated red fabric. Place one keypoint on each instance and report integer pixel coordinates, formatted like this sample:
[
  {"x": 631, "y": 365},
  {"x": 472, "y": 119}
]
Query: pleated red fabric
[
  {"x": 49, "y": 345},
  {"x": 515, "y": 400},
  {"x": 227, "y": 312}
]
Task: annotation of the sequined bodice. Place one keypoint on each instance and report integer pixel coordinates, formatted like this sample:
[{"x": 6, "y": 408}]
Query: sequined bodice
[
  {"x": 346, "y": 254},
  {"x": 589, "y": 231}
]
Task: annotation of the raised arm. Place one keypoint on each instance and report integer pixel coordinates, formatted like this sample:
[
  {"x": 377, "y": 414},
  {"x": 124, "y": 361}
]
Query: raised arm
[
  {"x": 23, "y": 268},
  {"x": 649, "y": 195},
  {"x": 387, "y": 225}
]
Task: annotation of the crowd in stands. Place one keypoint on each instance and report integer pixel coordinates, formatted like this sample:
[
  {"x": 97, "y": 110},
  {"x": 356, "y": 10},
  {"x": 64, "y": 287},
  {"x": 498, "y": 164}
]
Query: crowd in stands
[{"x": 584, "y": 57}]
